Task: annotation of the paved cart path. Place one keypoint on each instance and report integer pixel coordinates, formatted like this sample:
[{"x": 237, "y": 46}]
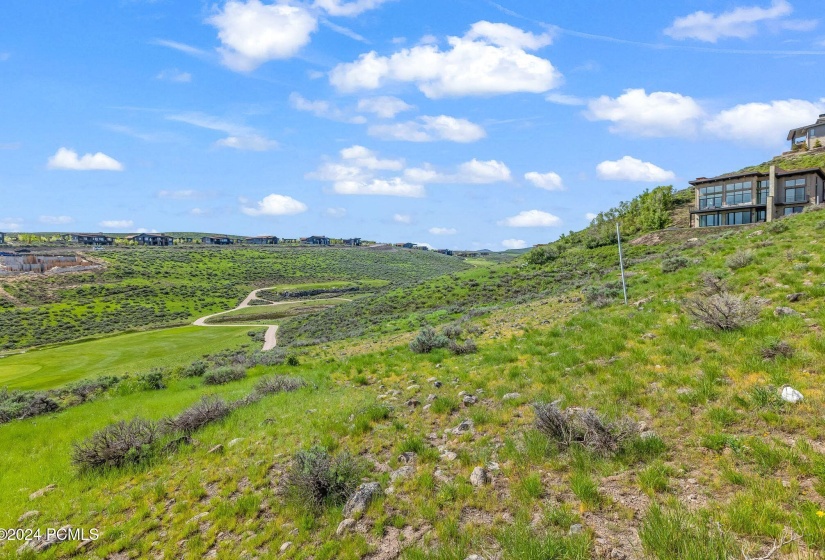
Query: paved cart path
[{"x": 270, "y": 337}]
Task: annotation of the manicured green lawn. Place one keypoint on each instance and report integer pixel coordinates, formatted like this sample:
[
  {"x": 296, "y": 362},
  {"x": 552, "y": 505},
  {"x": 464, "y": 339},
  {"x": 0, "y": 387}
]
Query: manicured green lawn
[
  {"x": 134, "y": 352},
  {"x": 272, "y": 312}
]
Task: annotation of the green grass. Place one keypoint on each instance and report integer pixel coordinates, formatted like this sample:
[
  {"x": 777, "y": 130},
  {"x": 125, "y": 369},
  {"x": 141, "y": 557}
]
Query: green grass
[
  {"x": 127, "y": 353},
  {"x": 264, "y": 313}
]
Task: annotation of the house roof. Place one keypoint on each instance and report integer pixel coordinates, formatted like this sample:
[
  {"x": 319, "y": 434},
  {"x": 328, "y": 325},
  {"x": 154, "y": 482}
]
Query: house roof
[
  {"x": 742, "y": 174},
  {"x": 794, "y": 133},
  {"x": 263, "y": 237},
  {"x": 148, "y": 235},
  {"x": 90, "y": 234}
]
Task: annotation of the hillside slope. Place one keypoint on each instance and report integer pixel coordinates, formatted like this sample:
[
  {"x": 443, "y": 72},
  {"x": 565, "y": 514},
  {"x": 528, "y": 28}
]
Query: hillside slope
[{"x": 715, "y": 464}]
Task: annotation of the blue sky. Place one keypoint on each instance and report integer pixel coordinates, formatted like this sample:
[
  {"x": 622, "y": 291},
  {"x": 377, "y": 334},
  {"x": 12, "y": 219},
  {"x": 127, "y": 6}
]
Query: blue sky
[{"x": 457, "y": 123}]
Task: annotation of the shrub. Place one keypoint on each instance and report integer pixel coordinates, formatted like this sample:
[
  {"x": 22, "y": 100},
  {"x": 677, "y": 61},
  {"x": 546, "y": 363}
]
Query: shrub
[
  {"x": 712, "y": 283},
  {"x": 38, "y": 405},
  {"x": 453, "y": 332},
  {"x": 602, "y": 295},
  {"x": 86, "y": 388},
  {"x": 208, "y": 409},
  {"x": 777, "y": 349},
  {"x": 428, "y": 340},
  {"x": 195, "y": 369},
  {"x": 117, "y": 445},
  {"x": 151, "y": 381},
  {"x": 778, "y": 227},
  {"x": 674, "y": 263},
  {"x": 318, "y": 480},
  {"x": 24, "y": 404},
  {"x": 740, "y": 259},
  {"x": 469, "y": 347},
  {"x": 544, "y": 254},
  {"x": 583, "y": 427},
  {"x": 224, "y": 375},
  {"x": 293, "y": 361},
  {"x": 279, "y": 384},
  {"x": 724, "y": 311}
]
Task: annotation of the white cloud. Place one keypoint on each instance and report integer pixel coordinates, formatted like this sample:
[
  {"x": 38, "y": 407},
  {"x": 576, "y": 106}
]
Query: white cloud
[
  {"x": 253, "y": 33},
  {"x": 590, "y": 216},
  {"x": 514, "y": 244},
  {"x": 385, "y": 107},
  {"x": 253, "y": 143},
  {"x": 182, "y": 47},
  {"x": 490, "y": 59},
  {"x": 532, "y": 218},
  {"x": 764, "y": 124},
  {"x": 564, "y": 99},
  {"x": 658, "y": 114},
  {"x": 56, "y": 220},
  {"x": 68, "y": 159},
  {"x": 632, "y": 169},
  {"x": 323, "y": 109},
  {"x": 240, "y": 137},
  {"x": 402, "y": 219},
  {"x": 275, "y": 205},
  {"x": 472, "y": 172},
  {"x": 395, "y": 186},
  {"x": 548, "y": 181},
  {"x": 430, "y": 129},
  {"x": 739, "y": 23},
  {"x": 174, "y": 75},
  {"x": 146, "y": 230},
  {"x": 347, "y": 9},
  {"x": 367, "y": 159},
  {"x": 443, "y": 231},
  {"x": 199, "y": 212},
  {"x": 336, "y": 212},
  {"x": 117, "y": 224},
  {"x": 186, "y": 194},
  {"x": 11, "y": 224}
]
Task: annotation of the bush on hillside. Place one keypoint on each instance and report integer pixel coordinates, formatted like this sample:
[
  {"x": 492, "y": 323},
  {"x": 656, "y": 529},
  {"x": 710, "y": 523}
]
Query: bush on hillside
[
  {"x": 195, "y": 369},
  {"x": 317, "y": 479},
  {"x": 543, "y": 254},
  {"x": 777, "y": 349},
  {"x": 602, "y": 295},
  {"x": 740, "y": 259},
  {"x": 673, "y": 264},
  {"x": 428, "y": 340},
  {"x": 279, "y": 384},
  {"x": 777, "y": 227},
  {"x": 585, "y": 427},
  {"x": 151, "y": 381},
  {"x": 87, "y": 388},
  {"x": 24, "y": 404},
  {"x": 453, "y": 331},
  {"x": 469, "y": 347},
  {"x": 712, "y": 283},
  {"x": 724, "y": 311},
  {"x": 117, "y": 445},
  {"x": 207, "y": 410},
  {"x": 224, "y": 375}
]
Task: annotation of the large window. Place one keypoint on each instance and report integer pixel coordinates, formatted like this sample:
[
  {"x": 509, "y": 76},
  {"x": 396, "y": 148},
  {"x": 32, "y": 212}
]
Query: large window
[
  {"x": 738, "y": 193},
  {"x": 708, "y": 220},
  {"x": 710, "y": 197},
  {"x": 762, "y": 192},
  {"x": 761, "y": 215},
  {"x": 738, "y": 218},
  {"x": 795, "y": 194},
  {"x": 793, "y": 210}
]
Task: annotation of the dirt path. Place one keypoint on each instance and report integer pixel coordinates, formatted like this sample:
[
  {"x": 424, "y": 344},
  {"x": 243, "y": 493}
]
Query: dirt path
[{"x": 271, "y": 335}]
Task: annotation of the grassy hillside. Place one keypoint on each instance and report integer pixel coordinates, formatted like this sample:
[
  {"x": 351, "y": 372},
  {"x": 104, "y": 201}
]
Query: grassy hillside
[
  {"x": 791, "y": 161},
  {"x": 715, "y": 464},
  {"x": 151, "y": 288}
]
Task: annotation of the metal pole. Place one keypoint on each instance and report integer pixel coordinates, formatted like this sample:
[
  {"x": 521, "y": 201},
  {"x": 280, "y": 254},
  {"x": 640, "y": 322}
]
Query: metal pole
[{"x": 621, "y": 261}]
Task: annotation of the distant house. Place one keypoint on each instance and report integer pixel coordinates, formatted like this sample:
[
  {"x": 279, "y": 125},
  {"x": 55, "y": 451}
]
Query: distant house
[
  {"x": 316, "y": 240},
  {"x": 445, "y": 252},
  {"x": 354, "y": 242},
  {"x": 152, "y": 239},
  {"x": 809, "y": 135},
  {"x": 409, "y": 245},
  {"x": 91, "y": 239},
  {"x": 262, "y": 240},
  {"x": 2, "y": 238},
  {"x": 216, "y": 240},
  {"x": 753, "y": 196}
]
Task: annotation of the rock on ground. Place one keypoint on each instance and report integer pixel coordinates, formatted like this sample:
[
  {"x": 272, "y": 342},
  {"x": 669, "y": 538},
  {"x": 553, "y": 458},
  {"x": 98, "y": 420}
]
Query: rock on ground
[{"x": 362, "y": 498}]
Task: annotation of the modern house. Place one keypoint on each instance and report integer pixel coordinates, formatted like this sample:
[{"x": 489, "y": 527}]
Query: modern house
[
  {"x": 262, "y": 240},
  {"x": 152, "y": 239},
  {"x": 216, "y": 240},
  {"x": 91, "y": 239},
  {"x": 316, "y": 240},
  {"x": 354, "y": 242},
  {"x": 752, "y": 196},
  {"x": 812, "y": 136},
  {"x": 409, "y": 246},
  {"x": 448, "y": 252}
]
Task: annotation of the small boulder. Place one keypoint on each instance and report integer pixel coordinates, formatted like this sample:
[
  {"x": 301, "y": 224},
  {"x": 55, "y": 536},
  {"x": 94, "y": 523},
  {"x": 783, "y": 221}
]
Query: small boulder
[
  {"x": 413, "y": 388},
  {"x": 511, "y": 396},
  {"x": 795, "y": 297},
  {"x": 449, "y": 456},
  {"x": 648, "y": 336},
  {"x": 791, "y": 395},
  {"x": 469, "y": 400},
  {"x": 235, "y": 442},
  {"x": 784, "y": 312},
  {"x": 28, "y": 515},
  {"x": 285, "y": 546},
  {"x": 431, "y": 398},
  {"x": 479, "y": 477},
  {"x": 359, "y": 501},
  {"x": 407, "y": 458},
  {"x": 576, "y": 528},
  {"x": 345, "y": 526},
  {"x": 437, "y": 384},
  {"x": 217, "y": 449},
  {"x": 412, "y": 403},
  {"x": 402, "y": 473},
  {"x": 42, "y": 492},
  {"x": 465, "y": 427}
]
